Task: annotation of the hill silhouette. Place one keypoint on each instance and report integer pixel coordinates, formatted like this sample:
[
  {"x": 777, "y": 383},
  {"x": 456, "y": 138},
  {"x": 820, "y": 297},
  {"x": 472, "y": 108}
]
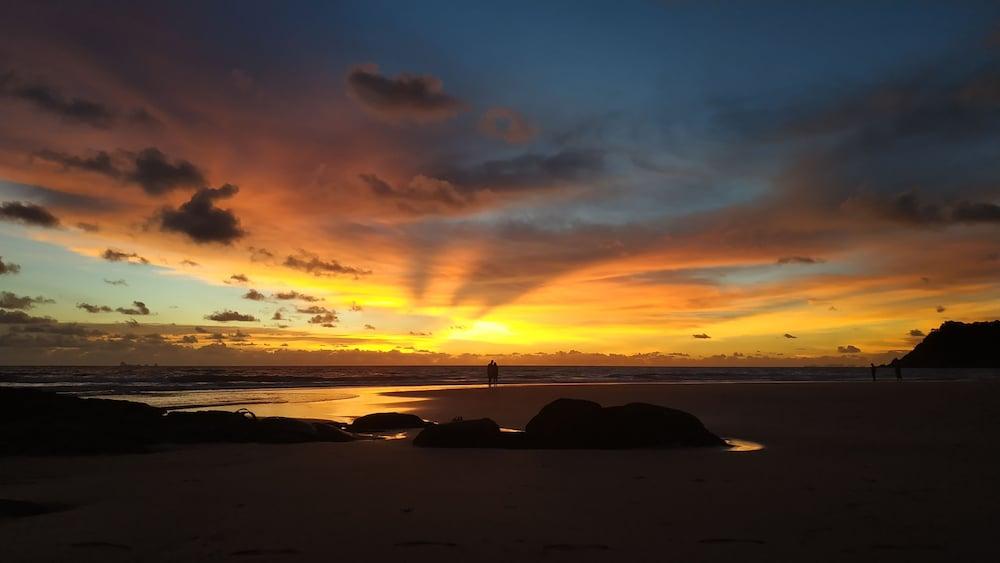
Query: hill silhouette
[{"x": 957, "y": 345}]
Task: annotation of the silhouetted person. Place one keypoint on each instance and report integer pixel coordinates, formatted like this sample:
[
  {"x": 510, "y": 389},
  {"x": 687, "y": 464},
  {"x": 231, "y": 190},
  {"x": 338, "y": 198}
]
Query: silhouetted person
[
  {"x": 492, "y": 373},
  {"x": 873, "y": 371},
  {"x": 496, "y": 374}
]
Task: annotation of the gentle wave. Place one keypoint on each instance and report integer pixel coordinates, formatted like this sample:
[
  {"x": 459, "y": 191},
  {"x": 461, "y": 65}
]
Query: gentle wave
[{"x": 154, "y": 380}]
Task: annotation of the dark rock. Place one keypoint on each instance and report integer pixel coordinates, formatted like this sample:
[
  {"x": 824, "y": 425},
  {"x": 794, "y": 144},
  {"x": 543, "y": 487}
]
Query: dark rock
[
  {"x": 573, "y": 423},
  {"x": 40, "y": 422},
  {"x": 281, "y": 430},
  {"x": 221, "y": 426},
  {"x": 182, "y": 427},
  {"x": 641, "y": 425},
  {"x": 480, "y": 433},
  {"x": 385, "y": 421},
  {"x": 331, "y": 432},
  {"x": 957, "y": 345},
  {"x": 20, "y": 404}
]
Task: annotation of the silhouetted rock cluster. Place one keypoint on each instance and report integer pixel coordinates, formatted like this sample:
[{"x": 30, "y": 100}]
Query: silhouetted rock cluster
[
  {"x": 957, "y": 345},
  {"x": 36, "y": 422},
  {"x": 574, "y": 423},
  {"x": 39, "y": 422}
]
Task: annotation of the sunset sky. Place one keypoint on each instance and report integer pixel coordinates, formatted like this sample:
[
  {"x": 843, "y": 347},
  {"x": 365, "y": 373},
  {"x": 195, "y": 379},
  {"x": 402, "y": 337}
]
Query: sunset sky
[{"x": 674, "y": 182}]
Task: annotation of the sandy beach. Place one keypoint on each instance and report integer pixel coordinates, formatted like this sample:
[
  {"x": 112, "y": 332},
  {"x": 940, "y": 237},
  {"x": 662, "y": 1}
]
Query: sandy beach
[{"x": 849, "y": 471}]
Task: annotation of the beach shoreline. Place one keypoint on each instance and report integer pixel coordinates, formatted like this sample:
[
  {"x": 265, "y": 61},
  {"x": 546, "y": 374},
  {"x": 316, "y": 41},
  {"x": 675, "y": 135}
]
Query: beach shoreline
[{"x": 860, "y": 471}]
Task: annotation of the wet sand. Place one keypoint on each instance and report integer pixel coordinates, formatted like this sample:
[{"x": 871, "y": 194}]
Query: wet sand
[{"x": 850, "y": 471}]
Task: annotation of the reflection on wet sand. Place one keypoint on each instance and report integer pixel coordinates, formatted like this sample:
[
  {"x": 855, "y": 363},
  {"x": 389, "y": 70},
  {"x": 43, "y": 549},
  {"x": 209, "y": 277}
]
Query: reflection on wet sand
[{"x": 342, "y": 404}]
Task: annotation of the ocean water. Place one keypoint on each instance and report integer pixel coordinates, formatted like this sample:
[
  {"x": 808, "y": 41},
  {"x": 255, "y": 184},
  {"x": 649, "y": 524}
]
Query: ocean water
[
  {"x": 341, "y": 393},
  {"x": 96, "y": 381}
]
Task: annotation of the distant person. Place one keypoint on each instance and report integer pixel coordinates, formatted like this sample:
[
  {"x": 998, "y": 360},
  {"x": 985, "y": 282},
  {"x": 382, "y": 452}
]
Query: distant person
[
  {"x": 873, "y": 371},
  {"x": 496, "y": 374},
  {"x": 492, "y": 373}
]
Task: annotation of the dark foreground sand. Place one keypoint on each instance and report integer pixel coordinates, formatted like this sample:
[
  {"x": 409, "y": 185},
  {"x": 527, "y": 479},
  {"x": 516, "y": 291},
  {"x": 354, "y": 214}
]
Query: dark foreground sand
[{"x": 850, "y": 472}]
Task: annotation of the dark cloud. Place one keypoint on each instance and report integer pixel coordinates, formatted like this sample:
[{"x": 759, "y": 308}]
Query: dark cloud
[
  {"x": 966, "y": 212},
  {"x": 312, "y": 310},
  {"x": 799, "y": 260},
  {"x": 49, "y": 99},
  {"x": 191, "y": 263},
  {"x": 289, "y": 295},
  {"x": 407, "y": 97},
  {"x": 27, "y": 214},
  {"x": 420, "y": 195},
  {"x": 100, "y": 162},
  {"x": 520, "y": 256},
  {"x": 115, "y": 282},
  {"x": 308, "y": 262},
  {"x": 254, "y": 295},
  {"x": 903, "y": 208},
  {"x": 507, "y": 125},
  {"x": 201, "y": 221},
  {"x": 239, "y": 336},
  {"x": 530, "y": 171},
  {"x": 93, "y": 308},
  {"x": 240, "y": 278},
  {"x": 356, "y": 308},
  {"x": 701, "y": 336},
  {"x": 328, "y": 319},
  {"x": 138, "y": 308},
  {"x": 260, "y": 254},
  {"x": 931, "y": 132},
  {"x": 418, "y": 333},
  {"x": 88, "y": 227},
  {"x": 321, "y": 315},
  {"x": 277, "y": 316},
  {"x": 915, "y": 152},
  {"x": 71, "y": 329},
  {"x": 369, "y": 327},
  {"x": 140, "y": 116},
  {"x": 917, "y": 332},
  {"x": 9, "y": 300},
  {"x": 448, "y": 187},
  {"x": 8, "y": 267},
  {"x": 157, "y": 174},
  {"x": 227, "y": 315},
  {"x": 150, "y": 168},
  {"x": 941, "y": 309},
  {"x": 112, "y": 255},
  {"x": 20, "y": 317},
  {"x": 849, "y": 349},
  {"x": 790, "y": 335},
  {"x": 51, "y": 198}
]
